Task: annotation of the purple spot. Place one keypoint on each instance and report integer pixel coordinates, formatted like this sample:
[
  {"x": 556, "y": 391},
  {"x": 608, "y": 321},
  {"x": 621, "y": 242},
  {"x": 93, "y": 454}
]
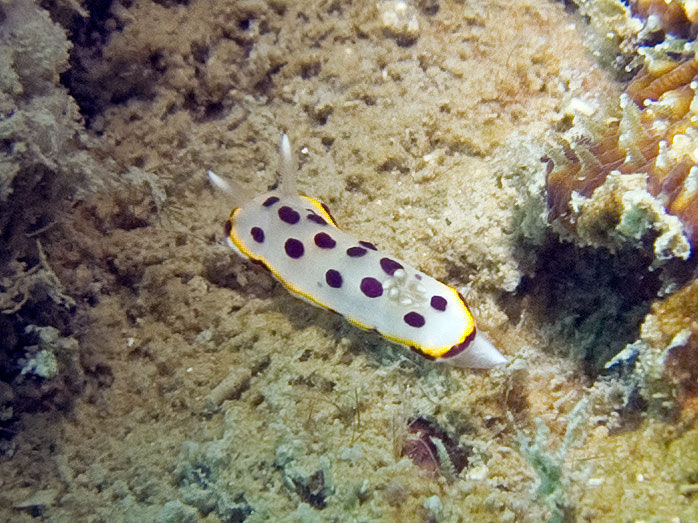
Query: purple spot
[
  {"x": 439, "y": 303},
  {"x": 414, "y": 319},
  {"x": 356, "y": 252},
  {"x": 228, "y": 227},
  {"x": 270, "y": 201},
  {"x": 333, "y": 279},
  {"x": 324, "y": 240},
  {"x": 294, "y": 248},
  {"x": 257, "y": 234},
  {"x": 371, "y": 287},
  {"x": 368, "y": 245},
  {"x": 288, "y": 215},
  {"x": 418, "y": 276},
  {"x": 316, "y": 219},
  {"x": 390, "y": 266}
]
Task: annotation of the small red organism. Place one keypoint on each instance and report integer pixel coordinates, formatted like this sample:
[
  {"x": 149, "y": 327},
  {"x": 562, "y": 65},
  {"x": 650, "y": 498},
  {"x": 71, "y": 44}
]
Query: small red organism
[{"x": 425, "y": 436}]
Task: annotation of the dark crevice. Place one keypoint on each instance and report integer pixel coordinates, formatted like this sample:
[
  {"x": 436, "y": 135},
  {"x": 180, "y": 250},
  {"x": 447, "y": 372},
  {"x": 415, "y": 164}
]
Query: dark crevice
[{"x": 591, "y": 298}]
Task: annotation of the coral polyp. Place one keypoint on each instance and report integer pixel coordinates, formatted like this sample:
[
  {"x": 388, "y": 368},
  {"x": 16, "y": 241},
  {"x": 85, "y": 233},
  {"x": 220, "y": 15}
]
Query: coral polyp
[
  {"x": 651, "y": 133},
  {"x": 672, "y": 16}
]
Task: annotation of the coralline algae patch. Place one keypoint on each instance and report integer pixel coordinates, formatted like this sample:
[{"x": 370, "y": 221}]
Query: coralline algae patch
[{"x": 615, "y": 176}]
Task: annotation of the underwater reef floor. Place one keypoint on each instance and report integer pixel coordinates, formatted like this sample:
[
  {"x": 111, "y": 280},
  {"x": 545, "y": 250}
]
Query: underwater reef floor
[{"x": 198, "y": 389}]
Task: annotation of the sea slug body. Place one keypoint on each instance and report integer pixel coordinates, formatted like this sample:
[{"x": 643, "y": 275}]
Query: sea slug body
[{"x": 296, "y": 238}]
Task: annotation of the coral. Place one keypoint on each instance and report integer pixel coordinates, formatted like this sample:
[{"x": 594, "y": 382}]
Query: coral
[
  {"x": 43, "y": 364},
  {"x": 39, "y": 123},
  {"x": 624, "y": 180},
  {"x": 677, "y": 17},
  {"x": 622, "y": 177},
  {"x": 671, "y": 329}
]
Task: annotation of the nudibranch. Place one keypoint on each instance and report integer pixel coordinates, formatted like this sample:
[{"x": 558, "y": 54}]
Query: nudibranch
[{"x": 296, "y": 238}]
